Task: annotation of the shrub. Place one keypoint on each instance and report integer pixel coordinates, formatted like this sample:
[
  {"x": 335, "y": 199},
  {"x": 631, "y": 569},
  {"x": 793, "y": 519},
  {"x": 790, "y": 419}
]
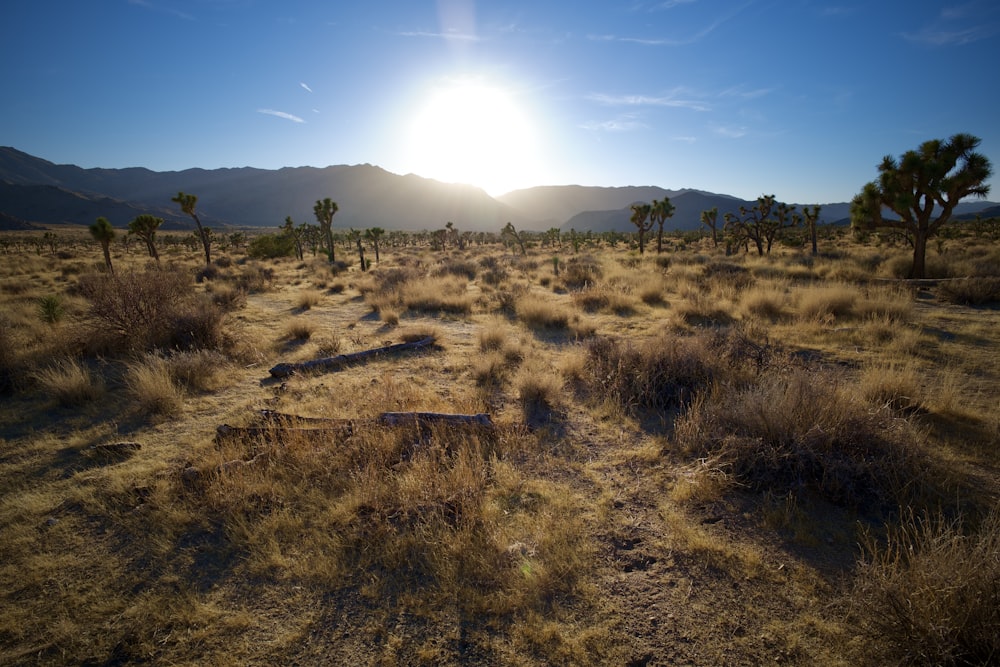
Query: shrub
[
  {"x": 826, "y": 302},
  {"x": 135, "y": 307},
  {"x": 971, "y": 291},
  {"x": 582, "y": 271},
  {"x": 803, "y": 431},
  {"x": 300, "y": 330},
  {"x": 542, "y": 313},
  {"x": 197, "y": 324},
  {"x": 151, "y": 385},
  {"x": 70, "y": 383},
  {"x": 270, "y": 246},
  {"x": 930, "y": 595},
  {"x": 199, "y": 370},
  {"x": 50, "y": 309},
  {"x": 658, "y": 374},
  {"x": 307, "y": 299},
  {"x": 456, "y": 267}
]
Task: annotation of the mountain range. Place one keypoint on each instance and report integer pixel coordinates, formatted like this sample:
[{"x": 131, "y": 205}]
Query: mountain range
[{"x": 35, "y": 192}]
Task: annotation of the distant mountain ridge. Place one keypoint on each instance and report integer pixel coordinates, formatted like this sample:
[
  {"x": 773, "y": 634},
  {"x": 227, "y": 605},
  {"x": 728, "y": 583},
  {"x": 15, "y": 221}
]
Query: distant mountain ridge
[{"x": 34, "y": 191}]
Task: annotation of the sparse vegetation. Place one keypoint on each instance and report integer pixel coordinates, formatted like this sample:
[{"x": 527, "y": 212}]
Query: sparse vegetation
[{"x": 702, "y": 437}]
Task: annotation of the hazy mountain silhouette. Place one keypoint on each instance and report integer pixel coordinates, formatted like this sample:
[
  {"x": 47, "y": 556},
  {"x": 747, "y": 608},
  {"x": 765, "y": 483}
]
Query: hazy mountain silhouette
[{"x": 36, "y": 191}]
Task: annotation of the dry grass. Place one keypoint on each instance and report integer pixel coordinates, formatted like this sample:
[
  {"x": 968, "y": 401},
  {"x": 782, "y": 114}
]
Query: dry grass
[
  {"x": 706, "y": 462},
  {"x": 70, "y": 383},
  {"x": 307, "y": 299},
  {"x": 930, "y": 593},
  {"x": 152, "y": 386}
]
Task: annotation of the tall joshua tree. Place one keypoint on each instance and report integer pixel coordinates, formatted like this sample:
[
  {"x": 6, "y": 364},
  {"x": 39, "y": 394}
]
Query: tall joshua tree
[
  {"x": 187, "y": 203},
  {"x": 356, "y": 236},
  {"x": 373, "y": 235},
  {"x": 144, "y": 226},
  {"x": 710, "y": 218},
  {"x": 660, "y": 210},
  {"x": 105, "y": 234},
  {"x": 935, "y": 176},
  {"x": 811, "y": 216},
  {"x": 324, "y": 211},
  {"x": 640, "y": 218}
]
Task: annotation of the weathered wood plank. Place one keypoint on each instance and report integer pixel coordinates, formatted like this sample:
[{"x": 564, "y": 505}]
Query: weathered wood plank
[{"x": 332, "y": 363}]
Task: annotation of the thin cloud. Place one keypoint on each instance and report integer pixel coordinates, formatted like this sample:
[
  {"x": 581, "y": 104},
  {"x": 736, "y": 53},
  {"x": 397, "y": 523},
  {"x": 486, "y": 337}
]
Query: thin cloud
[
  {"x": 145, "y": 4},
  {"x": 958, "y": 25},
  {"x": 305, "y": 87},
  {"x": 281, "y": 114},
  {"x": 743, "y": 93},
  {"x": 696, "y": 37},
  {"x": 648, "y": 100},
  {"x": 623, "y": 123},
  {"x": 730, "y": 131},
  {"x": 685, "y": 140},
  {"x": 456, "y": 36}
]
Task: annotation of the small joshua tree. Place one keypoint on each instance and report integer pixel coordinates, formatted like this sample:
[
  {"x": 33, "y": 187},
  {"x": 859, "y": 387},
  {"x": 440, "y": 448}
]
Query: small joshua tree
[{"x": 105, "y": 234}]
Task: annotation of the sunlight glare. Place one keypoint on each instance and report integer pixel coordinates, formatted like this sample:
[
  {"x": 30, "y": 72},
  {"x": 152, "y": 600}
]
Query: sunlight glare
[{"x": 470, "y": 132}]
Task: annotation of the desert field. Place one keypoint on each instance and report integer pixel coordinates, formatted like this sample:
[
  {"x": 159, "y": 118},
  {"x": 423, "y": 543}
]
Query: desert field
[{"x": 603, "y": 458}]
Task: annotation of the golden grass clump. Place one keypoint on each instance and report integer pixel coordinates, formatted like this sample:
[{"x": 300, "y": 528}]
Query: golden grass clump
[
  {"x": 541, "y": 312},
  {"x": 307, "y": 299},
  {"x": 151, "y": 384},
  {"x": 70, "y": 382},
  {"x": 768, "y": 302},
  {"x": 930, "y": 593},
  {"x": 299, "y": 330},
  {"x": 826, "y": 302}
]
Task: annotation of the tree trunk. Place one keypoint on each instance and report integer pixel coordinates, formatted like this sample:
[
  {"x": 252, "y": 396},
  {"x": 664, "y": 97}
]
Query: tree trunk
[
  {"x": 812, "y": 234},
  {"x": 106, "y": 247},
  {"x": 331, "y": 363},
  {"x": 919, "y": 254}
]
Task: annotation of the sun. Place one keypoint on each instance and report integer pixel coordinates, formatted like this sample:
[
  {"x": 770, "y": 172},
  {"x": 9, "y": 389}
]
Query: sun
[{"x": 467, "y": 131}]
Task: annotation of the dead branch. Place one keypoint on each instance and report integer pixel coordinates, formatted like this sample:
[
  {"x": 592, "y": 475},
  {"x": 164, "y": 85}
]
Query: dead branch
[{"x": 333, "y": 363}]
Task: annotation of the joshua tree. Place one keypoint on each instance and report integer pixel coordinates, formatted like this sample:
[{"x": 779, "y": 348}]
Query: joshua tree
[
  {"x": 324, "y": 211},
  {"x": 144, "y": 226},
  {"x": 935, "y": 176},
  {"x": 372, "y": 235},
  {"x": 710, "y": 219},
  {"x": 294, "y": 233},
  {"x": 761, "y": 223},
  {"x": 640, "y": 218},
  {"x": 105, "y": 234},
  {"x": 187, "y": 203},
  {"x": 811, "y": 218},
  {"x": 659, "y": 212},
  {"x": 508, "y": 233},
  {"x": 356, "y": 236}
]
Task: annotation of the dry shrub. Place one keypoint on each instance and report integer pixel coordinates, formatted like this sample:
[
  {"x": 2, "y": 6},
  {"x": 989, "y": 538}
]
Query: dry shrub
[
  {"x": 490, "y": 369},
  {"x": 652, "y": 295},
  {"x": 493, "y": 273},
  {"x": 8, "y": 358},
  {"x": 539, "y": 392},
  {"x": 306, "y": 299},
  {"x": 492, "y": 336},
  {"x": 971, "y": 291},
  {"x": 198, "y": 370},
  {"x": 823, "y": 302},
  {"x": 930, "y": 594},
  {"x": 542, "y": 313},
  {"x": 438, "y": 295},
  {"x": 151, "y": 384},
  {"x": 658, "y": 374},
  {"x": 892, "y": 386},
  {"x": 582, "y": 271},
  {"x": 899, "y": 266},
  {"x": 136, "y": 308},
  {"x": 70, "y": 383},
  {"x": 891, "y": 302},
  {"x": 299, "y": 330},
  {"x": 593, "y": 299},
  {"x": 700, "y": 309},
  {"x": 766, "y": 302},
  {"x": 726, "y": 275},
  {"x": 197, "y": 324},
  {"x": 453, "y": 266},
  {"x": 805, "y": 432}
]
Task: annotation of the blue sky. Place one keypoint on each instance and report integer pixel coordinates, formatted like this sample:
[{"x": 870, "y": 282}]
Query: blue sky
[{"x": 797, "y": 98}]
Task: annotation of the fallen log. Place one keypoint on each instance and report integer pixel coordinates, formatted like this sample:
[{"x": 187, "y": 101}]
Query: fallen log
[{"x": 331, "y": 363}]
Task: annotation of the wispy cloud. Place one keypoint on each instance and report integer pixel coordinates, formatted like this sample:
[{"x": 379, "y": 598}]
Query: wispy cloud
[
  {"x": 958, "y": 25},
  {"x": 692, "y": 39},
  {"x": 685, "y": 139},
  {"x": 281, "y": 114},
  {"x": 305, "y": 87},
  {"x": 670, "y": 100},
  {"x": 623, "y": 123},
  {"x": 730, "y": 131},
  {"x": 163, "y": 10},
  {"x": 448, "y": 35},
  {"x": 747, "y": 94}
]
